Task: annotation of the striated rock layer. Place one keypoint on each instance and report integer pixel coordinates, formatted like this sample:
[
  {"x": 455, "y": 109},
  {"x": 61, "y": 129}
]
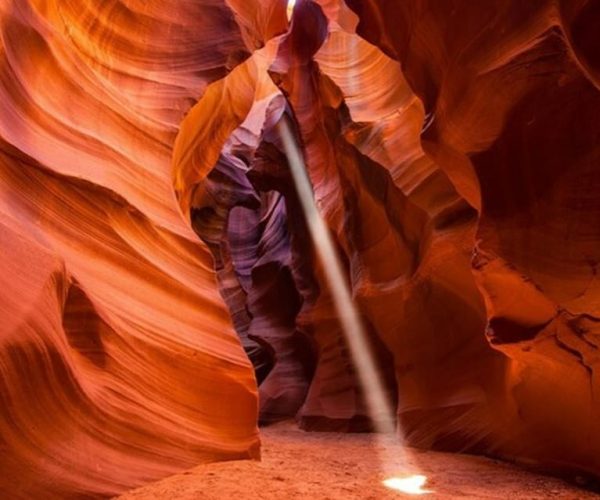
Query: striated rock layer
[
  {"x": 118, "y": 360},
  {"x": 511, "y": 96},
  {"x": 454, "y": 157},
  {"x": 155, "y": 251}
]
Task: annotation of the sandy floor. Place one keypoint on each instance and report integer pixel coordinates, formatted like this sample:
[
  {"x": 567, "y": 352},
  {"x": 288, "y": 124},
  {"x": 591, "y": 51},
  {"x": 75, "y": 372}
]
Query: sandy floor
[{"x": 300, "y": 465}]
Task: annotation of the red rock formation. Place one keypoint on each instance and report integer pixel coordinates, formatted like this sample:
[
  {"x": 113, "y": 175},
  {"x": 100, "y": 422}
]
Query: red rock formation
[
  {"x": 453, "y": 151},
  {"x": 425, "y": 259},
  {"x": 118, "y": 362},
  {"x": 512, "y": 96}
]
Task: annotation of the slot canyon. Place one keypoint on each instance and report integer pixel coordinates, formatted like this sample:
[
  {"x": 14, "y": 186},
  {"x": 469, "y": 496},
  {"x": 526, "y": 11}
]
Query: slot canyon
[{"x": 169, "y": 325}]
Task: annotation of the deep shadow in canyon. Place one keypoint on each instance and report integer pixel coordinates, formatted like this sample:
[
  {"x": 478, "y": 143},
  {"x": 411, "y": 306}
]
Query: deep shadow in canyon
[{"x": 161, "y": 296}]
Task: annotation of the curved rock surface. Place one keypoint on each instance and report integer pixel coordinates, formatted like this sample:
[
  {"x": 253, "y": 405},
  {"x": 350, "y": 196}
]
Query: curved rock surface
[
  {"x": 511, "y": 93},
  {"x": 453, "y": 151},
  {"x": 118, "y": 361},
  {"x": 422, "y": 146}
]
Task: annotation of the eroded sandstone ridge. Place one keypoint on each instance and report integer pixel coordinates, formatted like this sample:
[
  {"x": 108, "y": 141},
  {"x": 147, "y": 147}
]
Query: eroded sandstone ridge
[
  {"x": 118, "y": 360},
  {"x": 154, "y": 250}
]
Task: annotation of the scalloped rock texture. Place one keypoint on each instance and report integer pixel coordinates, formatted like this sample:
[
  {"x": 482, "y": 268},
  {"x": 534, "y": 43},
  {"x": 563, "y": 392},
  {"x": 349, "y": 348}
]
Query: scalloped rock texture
[{"x": 156, "y": 264}]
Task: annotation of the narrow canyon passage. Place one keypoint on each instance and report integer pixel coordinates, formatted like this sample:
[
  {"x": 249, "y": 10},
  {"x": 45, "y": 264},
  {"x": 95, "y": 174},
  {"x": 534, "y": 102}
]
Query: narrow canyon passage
[{"x": 165, "y": 304}]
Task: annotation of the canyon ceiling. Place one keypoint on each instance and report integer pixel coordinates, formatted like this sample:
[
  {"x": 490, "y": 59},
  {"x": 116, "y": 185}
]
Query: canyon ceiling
[{"x": 159, "y": 293}]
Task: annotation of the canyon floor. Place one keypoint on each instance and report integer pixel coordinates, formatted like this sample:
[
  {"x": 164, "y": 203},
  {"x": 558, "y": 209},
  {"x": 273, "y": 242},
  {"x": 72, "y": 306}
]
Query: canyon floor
[{"x": 301, "y": 465}]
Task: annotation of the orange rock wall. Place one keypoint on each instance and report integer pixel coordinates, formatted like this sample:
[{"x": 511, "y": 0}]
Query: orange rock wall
[
  {"x": 118, "y": 360},
  {"x": 453, "y": 151},
  {"x": 511, "y": 96},
  {"x": 445, "y": 153}
]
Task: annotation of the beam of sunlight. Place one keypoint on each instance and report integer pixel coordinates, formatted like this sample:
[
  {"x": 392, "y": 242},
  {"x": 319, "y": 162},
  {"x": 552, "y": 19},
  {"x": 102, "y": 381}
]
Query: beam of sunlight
[
  {"x": 390, "y": 448},
  {"x": 378, "y": 405},
  {"x": 290, "y": 8}
]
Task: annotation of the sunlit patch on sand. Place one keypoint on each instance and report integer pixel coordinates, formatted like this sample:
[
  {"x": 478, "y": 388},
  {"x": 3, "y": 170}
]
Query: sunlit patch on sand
[{"x": 412, "y": 485}]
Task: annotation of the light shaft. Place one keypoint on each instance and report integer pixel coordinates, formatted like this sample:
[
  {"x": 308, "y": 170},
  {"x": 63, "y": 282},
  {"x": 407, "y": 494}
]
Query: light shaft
[{"x": 379, "y": 408}]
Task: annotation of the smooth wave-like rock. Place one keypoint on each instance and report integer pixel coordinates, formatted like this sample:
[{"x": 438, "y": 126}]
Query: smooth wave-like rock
[
  {"x": 160, "y": 293},
  {"x": 118, "y": 361},
  {"x": 512, "y": 96},
  {"x": 425, "y": 179}
]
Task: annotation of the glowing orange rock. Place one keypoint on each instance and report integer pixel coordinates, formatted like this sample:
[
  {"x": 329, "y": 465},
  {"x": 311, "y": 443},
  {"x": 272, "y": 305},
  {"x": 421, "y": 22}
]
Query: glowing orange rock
[
  {"x": 453, "y": 151},
  {"x": 513, "y": 122},
  {"x": 118, "y": 361}
]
